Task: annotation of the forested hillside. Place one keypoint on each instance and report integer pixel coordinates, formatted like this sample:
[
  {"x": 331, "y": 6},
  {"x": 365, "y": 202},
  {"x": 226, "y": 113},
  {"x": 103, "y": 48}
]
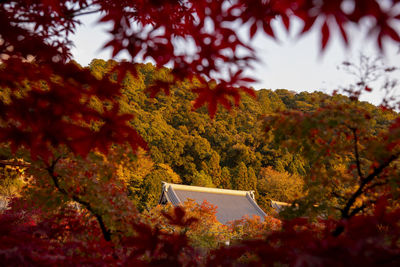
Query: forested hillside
[
  {"x": 231, "y": 151},
  {"x": 71, "y": 159}
]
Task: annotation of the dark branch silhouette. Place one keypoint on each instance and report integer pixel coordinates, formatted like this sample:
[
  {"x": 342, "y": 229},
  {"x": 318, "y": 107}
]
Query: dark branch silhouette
[
  {"x": 346, "y": 210},
  {"x": 106, "y": 232},
  {"x": 357, "y": 154}
]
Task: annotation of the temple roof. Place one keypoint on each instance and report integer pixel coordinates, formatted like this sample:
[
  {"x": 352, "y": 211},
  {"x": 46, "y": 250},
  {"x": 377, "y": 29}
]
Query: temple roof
[
  {"x": 231, "y": 204},
  {"x": 279, "y": 206}
]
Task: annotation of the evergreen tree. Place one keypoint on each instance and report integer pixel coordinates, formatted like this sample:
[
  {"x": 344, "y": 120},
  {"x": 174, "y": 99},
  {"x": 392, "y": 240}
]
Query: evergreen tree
[
  {"x": 252, "y": 179},
  {"x": 225, "y": 179},
  {"x": 240, "y": 180},
  {"x": 202, "y": 179}
]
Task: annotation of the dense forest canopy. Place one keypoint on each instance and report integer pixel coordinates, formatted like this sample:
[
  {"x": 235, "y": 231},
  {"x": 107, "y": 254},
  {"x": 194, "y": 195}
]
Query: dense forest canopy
[
  {"x": 73, "y": 139},
  {"x": 230, "y": 151}
]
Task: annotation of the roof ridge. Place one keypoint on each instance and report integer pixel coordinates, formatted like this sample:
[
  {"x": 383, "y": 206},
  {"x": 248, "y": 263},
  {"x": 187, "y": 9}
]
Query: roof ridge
[
  {"x": 280, "y": 203},
  {"x": 255, "y": 205},
  {"x": 205, "y": 189}
]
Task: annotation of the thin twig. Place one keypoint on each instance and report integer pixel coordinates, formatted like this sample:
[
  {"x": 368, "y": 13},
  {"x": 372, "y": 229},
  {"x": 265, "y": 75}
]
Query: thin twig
[
  {"x": 337, "y": 195},
  {"x": 76, "y": 14},
  {"x": 14, "y": 163}
]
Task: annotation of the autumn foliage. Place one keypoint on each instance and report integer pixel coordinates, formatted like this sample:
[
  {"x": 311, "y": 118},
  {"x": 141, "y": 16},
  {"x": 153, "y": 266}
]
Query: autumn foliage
[{"x": 66, "y": 128}]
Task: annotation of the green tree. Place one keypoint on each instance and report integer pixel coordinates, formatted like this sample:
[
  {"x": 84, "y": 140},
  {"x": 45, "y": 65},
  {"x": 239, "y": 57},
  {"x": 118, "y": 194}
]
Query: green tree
[
  {"x": 225, "y": 180},
  {"x": 252, "y": 180},
  {"x": 352, "y": 162},
  {"x": 240, "y": 178},
  {"x": 202, "y": 179},
  {"x": 152, "y": 185}
]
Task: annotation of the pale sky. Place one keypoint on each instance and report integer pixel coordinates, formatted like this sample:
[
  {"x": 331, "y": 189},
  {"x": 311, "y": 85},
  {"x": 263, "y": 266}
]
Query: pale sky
[{"x": 291, "y": 63}]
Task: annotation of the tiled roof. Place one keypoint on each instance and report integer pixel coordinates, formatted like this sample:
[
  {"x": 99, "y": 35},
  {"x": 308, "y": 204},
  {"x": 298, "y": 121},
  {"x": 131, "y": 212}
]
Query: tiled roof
[{"x": 231, "y": 204}]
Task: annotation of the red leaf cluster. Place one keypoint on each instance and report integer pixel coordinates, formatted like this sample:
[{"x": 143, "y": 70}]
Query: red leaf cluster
[
  {"x": 70, "y": 237},
  {"x": 49, "y": 105},
  {"x": 46, "y": 103},
  {"x": 368, "y": 240}
]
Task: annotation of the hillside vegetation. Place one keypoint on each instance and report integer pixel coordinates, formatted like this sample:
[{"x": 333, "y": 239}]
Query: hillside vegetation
[{"x": 233, "y": 150}]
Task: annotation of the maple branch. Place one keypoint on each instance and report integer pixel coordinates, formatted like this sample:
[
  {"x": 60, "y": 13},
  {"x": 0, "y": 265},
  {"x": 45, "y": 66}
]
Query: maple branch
[
  {"x": 374, "y": 185},
  {"x": 76, "y": 14},
  {"x": 334, "y": 193},
  {"x": 106, "y": 232},
  {"x": 346, "y": 214},
  {"x": 14, "y": 163},
  {"x": 357, "y": 210},
  {"x": 346, "y": 210},
  {"x": 357, "y": 155}
]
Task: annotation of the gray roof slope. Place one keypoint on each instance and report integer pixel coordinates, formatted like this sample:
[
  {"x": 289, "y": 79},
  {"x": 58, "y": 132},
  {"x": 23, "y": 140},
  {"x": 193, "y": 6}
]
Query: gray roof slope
[{"x": 231, "y": 204}]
